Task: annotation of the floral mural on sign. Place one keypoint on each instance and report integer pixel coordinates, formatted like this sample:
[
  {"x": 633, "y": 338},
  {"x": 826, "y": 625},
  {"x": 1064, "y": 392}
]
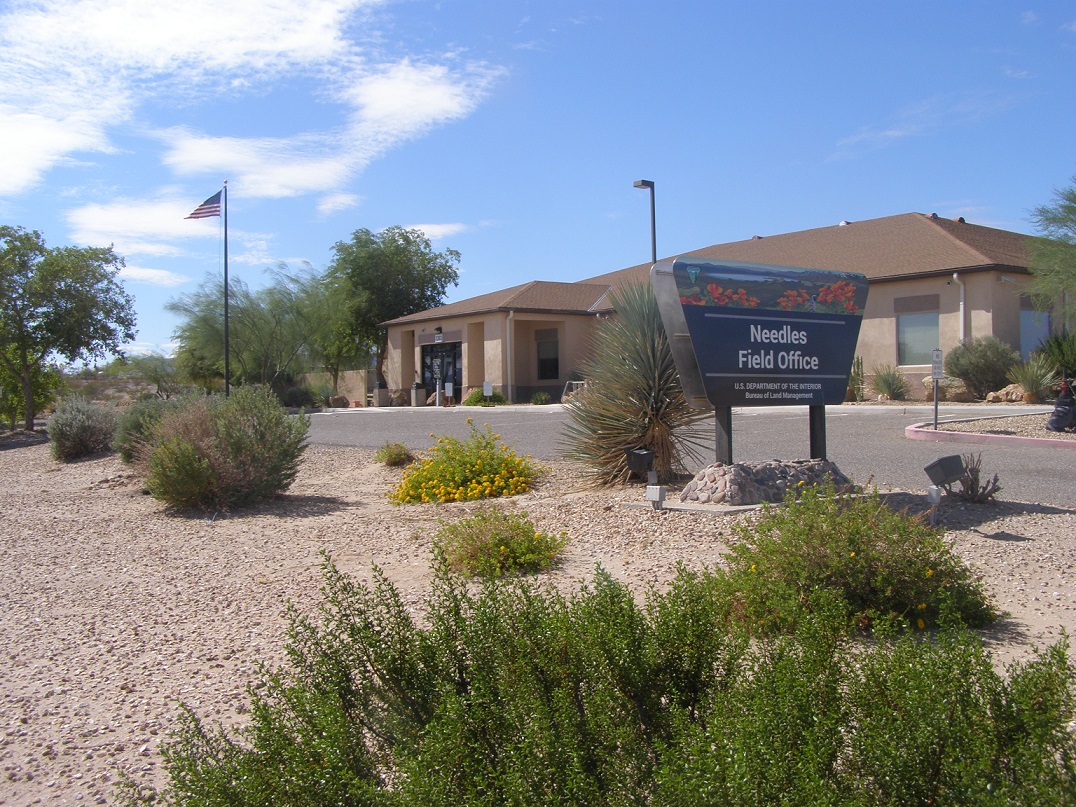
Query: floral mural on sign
[{"x": 789, "y": 290}]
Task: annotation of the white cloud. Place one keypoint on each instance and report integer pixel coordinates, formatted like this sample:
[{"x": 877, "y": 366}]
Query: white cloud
[
  {"x": 335, "y": 202},
  {"x": 73, "y": 71},
  {"x": 436, "y": 232},
  {"x": 154, "y": 277},
  {"x": 923, "y": 118},
  {"x": 1029, "y": 18},
  {"x": 139, "y": 227}
]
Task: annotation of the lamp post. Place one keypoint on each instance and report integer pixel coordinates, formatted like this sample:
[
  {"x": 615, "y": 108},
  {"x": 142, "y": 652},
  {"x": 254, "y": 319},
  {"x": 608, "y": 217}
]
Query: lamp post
[{"x": 648, "y": 183}]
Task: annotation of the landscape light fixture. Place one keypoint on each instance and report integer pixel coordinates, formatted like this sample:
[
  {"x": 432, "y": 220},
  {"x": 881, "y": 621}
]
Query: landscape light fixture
[{"x": 649, "y": 184}]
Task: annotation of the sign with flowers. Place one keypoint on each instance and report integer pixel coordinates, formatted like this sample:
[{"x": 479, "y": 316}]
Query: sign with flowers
[{"x": 758, "y": 334}]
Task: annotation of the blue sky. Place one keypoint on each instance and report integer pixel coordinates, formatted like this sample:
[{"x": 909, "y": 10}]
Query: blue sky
[{"x": 512, "y": 131}]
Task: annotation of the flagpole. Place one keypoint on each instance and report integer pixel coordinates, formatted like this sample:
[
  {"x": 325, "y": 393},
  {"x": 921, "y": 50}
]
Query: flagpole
[{"x": 227, "y": 346}]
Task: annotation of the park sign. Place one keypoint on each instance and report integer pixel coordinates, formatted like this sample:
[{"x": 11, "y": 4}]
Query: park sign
[{"x": 749, "y": 334}]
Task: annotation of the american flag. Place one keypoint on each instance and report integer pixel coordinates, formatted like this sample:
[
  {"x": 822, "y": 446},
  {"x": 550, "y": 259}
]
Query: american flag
[{"x": 207, "y": 209}]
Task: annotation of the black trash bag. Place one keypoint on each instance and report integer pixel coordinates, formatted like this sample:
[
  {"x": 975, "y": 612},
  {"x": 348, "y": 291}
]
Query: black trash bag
[{"x": 1064, "y": 411}]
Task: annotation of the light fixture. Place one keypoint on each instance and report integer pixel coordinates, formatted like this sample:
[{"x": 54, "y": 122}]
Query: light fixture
[{"x": 648, "y": 184}]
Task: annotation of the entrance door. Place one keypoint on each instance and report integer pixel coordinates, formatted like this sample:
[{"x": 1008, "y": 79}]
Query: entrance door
[{"x": 446, "y": 356}]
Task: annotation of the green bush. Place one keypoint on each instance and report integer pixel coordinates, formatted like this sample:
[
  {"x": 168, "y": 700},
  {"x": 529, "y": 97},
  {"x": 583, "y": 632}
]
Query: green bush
[
  {"x": 476, "y": 398},
  {"x": 1036, "y": 377},
  {"x": 218, "y": 451},
  {"x": 299, "y": 398},
  {"x": 493, "y": 541},
  {"x": 454, "y": 470},
  {"x": 79, "y": 428},
  {"x": 1060, "y": 350},
  {"x": 889, "y": 381},
  {"x": 541, "y": 399},
  {"x": 982, "y": 364},
  {"x": 394, "y": 455},
  {"x": 136, "y": 423},
  {"x": 880, "y": 564},
  {"x": 518, "y": 694}
]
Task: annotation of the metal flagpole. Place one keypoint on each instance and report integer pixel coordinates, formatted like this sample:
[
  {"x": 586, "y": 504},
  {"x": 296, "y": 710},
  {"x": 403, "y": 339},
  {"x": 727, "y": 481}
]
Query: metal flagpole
[{"x": 227, "y": 346}]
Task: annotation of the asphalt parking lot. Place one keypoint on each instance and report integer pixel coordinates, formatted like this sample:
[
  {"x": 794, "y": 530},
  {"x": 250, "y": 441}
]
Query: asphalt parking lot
[{"x": 866, "y": 442}]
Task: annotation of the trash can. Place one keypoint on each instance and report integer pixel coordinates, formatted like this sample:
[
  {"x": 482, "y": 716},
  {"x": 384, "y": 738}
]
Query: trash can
[{"x": 418, "y": 395}]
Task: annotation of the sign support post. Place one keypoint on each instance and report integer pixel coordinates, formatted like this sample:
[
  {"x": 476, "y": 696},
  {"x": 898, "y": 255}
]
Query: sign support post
[
  {"x": 723, "y": 434},
  {"x": 817, "y": 428},
  {"x": 936, "y": 374}
]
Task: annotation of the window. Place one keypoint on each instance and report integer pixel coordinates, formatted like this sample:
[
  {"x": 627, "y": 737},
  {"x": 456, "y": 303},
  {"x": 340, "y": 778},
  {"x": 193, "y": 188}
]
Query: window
[
  {"x": 548, "y": 354},
  {"x": 917, "y": 328},
  {"x": 1034, "y": 327}
]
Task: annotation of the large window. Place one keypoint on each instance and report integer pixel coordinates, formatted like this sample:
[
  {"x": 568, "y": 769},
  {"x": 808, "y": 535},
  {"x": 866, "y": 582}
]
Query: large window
[
  {"x": 1034, "y": 327},
  {"x": 917, "y": 328},
  {"x": 548, "y": 354}
]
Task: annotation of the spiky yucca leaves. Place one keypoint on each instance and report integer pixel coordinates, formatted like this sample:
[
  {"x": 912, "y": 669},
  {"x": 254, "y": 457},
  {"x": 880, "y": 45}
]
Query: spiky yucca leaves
[{"x": 632, "y": 398}]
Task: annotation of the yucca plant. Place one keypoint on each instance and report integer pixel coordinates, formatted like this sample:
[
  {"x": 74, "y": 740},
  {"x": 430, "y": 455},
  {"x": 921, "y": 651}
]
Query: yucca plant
[
  {"x": 633, "y": 397},
  {"x": 889, "y": 381},
  {"x": 1035, "y": 376}
]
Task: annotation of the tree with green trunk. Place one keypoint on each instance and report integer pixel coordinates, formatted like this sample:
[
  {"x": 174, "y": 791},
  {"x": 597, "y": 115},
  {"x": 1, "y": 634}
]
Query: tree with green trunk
[
  {"x": 1053, "y": 256},
  {"x": 391, "y": 274},
  {"x": 61, "y": 302},
  {"x": 269, "y": 329}
]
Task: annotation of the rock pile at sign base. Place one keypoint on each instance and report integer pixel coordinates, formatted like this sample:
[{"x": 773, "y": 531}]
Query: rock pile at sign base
[{"x": 746, "y": 483}]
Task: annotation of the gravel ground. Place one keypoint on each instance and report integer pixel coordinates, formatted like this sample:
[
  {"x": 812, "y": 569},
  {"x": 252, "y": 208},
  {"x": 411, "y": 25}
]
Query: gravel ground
[
  {"x": 1012, "y": 426},
  {"x": 114, "y": 610}
]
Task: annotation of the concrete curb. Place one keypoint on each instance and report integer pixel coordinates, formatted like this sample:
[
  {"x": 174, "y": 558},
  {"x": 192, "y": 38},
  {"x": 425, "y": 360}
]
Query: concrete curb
[{"x": 925, "y": 431}]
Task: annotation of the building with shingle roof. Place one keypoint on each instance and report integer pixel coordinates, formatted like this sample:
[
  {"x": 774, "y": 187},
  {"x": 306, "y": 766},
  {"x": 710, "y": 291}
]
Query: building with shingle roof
[{"x": 934, "y": 282}]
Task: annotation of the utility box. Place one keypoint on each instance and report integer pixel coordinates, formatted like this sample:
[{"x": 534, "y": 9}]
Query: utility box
[{"x": 945, "y": 470}]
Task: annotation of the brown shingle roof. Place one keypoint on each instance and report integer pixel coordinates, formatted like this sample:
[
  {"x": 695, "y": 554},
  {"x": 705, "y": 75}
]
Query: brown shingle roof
[
  {"x": 888, "y": 248},
  {"x": 537, "y": 295}
]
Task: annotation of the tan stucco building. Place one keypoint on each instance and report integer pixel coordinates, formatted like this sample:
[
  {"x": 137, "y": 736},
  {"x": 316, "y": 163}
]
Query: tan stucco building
[{"x": 934, "y": 282}]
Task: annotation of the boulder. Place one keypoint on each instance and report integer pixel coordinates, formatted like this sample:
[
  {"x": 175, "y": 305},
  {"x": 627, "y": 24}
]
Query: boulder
[
  {"x": 339, "y": 402},
  {"x": 949, "y": 389},
  {"x": 1013, "y": 393}
]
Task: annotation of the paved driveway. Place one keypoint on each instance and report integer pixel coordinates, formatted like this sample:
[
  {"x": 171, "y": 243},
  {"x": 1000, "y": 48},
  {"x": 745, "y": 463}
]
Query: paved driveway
[{"x": 866, "y": 442}]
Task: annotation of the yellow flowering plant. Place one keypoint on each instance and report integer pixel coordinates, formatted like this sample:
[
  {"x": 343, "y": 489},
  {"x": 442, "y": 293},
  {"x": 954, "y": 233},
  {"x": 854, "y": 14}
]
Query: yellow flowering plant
[{"x": 455, "y": 470}]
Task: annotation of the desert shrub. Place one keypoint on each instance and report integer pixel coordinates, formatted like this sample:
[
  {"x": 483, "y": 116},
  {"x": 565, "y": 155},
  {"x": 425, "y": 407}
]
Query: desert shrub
[
  {"x": 1036, "y": 377},
  {"x": 632, "y": 398},
  {"x": 1060, "y": 350},
  {"x": 881, "y": 564},
  {"x": 541, "y": 399},
  {"x": 889, "y": 381},
  {"x": 493, "y": 541},
  {"x": 136, "y": 423},
  {"x": 217, "y": 451},
  {"x": 454, "y": 470},
  {"x": 79, "y": 428},
  {"x": 972, "y": 488},
  {"x": 857, "y": 380},
  {"x": 518, "y": 694},
  {"x": 394, "y": 455},
  {"x": 299, "y": 398},
  {"x": 982, "y": 364},
  {"x": 476, "y": 398}
]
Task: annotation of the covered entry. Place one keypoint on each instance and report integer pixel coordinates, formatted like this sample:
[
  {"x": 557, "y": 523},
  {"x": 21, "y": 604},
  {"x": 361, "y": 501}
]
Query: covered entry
[{"x": 447, "y": 358}]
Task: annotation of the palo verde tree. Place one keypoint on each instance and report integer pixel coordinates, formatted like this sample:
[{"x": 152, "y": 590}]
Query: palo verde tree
[
  {"x": 390, "y": 274},
  {"x": 60, "y": 302},
  {"x": 1053, "y": 256},
  {"x": 268, "y": 329}
]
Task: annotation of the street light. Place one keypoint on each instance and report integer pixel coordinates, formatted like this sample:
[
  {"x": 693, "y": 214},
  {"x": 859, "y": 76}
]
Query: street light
[{"x": 648, "y": 183}]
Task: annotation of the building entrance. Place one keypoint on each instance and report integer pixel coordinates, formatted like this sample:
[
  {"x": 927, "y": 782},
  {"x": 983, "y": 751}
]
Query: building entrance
[{"x": 447, "y": 357}]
